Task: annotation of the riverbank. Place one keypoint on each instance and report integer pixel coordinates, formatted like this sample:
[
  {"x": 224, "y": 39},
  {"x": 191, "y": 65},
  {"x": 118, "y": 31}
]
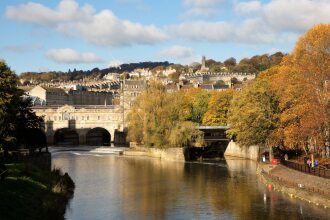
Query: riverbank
[
  {"x": 312, "y": 189},
  {"x": 30, "y": 192}
]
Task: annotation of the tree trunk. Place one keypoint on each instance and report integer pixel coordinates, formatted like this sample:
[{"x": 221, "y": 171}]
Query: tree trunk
[{"x": 271, "y": 153}]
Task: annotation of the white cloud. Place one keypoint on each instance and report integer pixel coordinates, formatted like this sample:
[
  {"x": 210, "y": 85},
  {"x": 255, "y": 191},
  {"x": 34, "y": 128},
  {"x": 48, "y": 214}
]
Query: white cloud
[
  {"x": 177, "y": 51},
  {"x": 247, "y": 7},
  {"x": 287, "y": 15},
  {"x": 273, "y": 21},
  {"x": 106, "y": 29},
  {"x": 201, "y": 7},
  {"x": 102, "y": 28},
  {"x": 66, "y": 11},
  {"x": 202, "y": 3},
  {"x": 203, "y": 30},
  {"x": 68, "y": 55}
]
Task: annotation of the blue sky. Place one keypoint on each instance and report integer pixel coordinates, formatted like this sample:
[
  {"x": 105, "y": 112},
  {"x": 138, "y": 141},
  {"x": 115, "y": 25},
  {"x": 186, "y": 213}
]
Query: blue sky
[{"x": 41, "y": 35}]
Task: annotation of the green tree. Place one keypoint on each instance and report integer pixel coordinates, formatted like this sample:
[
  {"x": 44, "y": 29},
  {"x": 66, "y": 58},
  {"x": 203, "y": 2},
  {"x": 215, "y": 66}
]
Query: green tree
[
  {"x": 16, "y": 116},
  {"x": 9, "y": 95}
]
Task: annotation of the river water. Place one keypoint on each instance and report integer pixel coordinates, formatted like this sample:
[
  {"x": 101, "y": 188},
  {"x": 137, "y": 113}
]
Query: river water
[{"x": 120, "y": 187}]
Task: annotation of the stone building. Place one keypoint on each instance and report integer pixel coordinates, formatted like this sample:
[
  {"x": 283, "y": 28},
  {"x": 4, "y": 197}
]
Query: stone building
[
  {"x": 90, "y": 98},
  {"x": 73, "y": 125},
  {"x": 58, "y": 96},
  {"x": 222, "y": 76},
  {"x": 130, "y": 90},
  {"x": 51, "y": 95}
]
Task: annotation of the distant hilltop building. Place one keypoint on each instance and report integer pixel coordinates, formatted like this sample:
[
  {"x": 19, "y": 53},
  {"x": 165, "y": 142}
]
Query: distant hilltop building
[
  {"x": 203, "y": 67},
  {"x": 112, "y": 76}
]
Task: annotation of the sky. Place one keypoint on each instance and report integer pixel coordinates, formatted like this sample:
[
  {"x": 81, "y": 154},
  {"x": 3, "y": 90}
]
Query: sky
[{"x": 44, "y": 35}]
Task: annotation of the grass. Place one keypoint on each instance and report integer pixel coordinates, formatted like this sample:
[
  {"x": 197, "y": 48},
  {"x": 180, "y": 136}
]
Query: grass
[{"x": 27, "y": 193}]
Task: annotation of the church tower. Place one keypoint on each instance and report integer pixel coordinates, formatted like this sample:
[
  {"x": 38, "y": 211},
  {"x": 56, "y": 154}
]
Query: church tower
[{"x": 203, "y": 67}]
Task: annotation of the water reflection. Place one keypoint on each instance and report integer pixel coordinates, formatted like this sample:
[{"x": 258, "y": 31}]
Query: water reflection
[{"x": 114, "y": 187}]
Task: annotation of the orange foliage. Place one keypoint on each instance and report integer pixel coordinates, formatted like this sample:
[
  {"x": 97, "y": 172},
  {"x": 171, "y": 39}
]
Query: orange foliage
[{"x": 300, "y": 82}]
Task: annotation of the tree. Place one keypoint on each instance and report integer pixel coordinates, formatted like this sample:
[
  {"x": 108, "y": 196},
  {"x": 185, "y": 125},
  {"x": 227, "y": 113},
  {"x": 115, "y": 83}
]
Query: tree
[
  {"x": 16, "y": 115},
  {"x": 197, "y": 100},
  {"x": 185, "y": 134},
  {"x": 9, "y": 94},
  {"x": 28, "y": 126},
  {"x": 253, "y": 114},
  {"x": 230, "y": 62},
  {"x": 174, "y": 77},
  {"x": 218, "y": 108},
  {"x": 157, "y": 116},
  {"x": 304, "y": 99}
]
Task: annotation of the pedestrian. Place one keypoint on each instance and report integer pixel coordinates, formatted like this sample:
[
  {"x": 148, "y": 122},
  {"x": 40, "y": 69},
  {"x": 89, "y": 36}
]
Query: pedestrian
[{"x": 286, "y": 157}]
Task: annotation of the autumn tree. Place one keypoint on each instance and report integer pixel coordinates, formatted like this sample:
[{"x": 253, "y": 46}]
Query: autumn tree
[
  {"x": 253, "y": 114},
  {"x": 303, "y": 95},
  {"x": 218, "y": 108},
  {"x": 157, "y": 116}
]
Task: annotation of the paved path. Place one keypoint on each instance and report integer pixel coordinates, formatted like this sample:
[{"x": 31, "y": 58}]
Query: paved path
[{"x": 293, "y": 178}]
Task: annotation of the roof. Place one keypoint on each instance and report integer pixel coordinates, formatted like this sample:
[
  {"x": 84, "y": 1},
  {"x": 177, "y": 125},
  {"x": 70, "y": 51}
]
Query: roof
[
  {"x": 183, "y": 87},
  {"x": 25, "y": 88},
  {"x": 135, "y": 82},
  {"x": 206, "y": 86},
  {"x": 221, "y": 86},
  {"x": 53, "y": 89}
]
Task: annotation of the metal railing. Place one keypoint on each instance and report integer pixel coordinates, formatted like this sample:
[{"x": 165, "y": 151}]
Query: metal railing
[{"x": 316, "y": 171}]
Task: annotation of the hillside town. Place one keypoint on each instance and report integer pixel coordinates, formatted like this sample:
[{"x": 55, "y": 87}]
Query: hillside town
[
  {"x": 141, "y": 109},
  {"x": 107, "y": 89}
]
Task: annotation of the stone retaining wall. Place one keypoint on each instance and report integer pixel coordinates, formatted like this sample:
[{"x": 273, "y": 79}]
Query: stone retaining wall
[
  {"x": 235, "y": 150},
  {"x": 173, "y": 154}
]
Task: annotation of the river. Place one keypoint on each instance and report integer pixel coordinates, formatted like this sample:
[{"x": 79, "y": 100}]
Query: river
[{"x": 121, "y": 187}]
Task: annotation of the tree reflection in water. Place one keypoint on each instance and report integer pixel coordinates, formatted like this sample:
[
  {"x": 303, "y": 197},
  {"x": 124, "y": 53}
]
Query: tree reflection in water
[{"x": 114, "y": 187}]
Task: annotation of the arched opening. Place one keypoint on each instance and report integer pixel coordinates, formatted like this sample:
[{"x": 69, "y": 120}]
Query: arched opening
[
  {"x": 66, "y": 136},
  {"x": 98, "y": 137}
]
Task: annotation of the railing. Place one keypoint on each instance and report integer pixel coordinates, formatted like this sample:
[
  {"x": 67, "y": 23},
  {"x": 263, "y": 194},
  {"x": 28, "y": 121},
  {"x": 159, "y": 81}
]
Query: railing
[{"x": 316, "y": 171}]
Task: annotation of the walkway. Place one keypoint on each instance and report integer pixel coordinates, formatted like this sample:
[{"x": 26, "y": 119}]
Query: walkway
[
  {"x": 293, "y": 177},
  {"x": 304, "y": 186}
]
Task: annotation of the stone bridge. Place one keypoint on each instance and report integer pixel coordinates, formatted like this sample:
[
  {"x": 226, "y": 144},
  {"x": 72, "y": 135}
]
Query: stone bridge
[{"x": 83, "y": 125}]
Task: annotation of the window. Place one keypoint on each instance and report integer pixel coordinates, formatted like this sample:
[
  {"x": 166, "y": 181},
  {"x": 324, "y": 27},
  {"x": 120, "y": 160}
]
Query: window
[{"x": 98, "y": 117}]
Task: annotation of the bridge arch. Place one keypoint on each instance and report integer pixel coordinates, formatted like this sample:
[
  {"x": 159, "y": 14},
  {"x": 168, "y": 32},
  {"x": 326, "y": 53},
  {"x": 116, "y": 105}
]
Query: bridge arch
[
  {"x": 98, "y": 136},
  {"x": 66, "y": 136}
]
